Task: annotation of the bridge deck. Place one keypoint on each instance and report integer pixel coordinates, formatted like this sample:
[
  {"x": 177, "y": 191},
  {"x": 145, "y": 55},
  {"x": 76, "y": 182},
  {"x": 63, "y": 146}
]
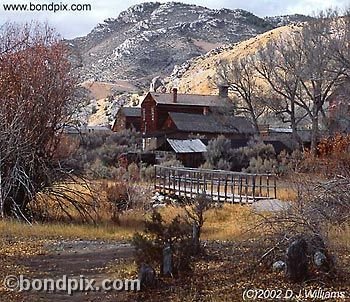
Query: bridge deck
[{"x": 222, "y": 186}]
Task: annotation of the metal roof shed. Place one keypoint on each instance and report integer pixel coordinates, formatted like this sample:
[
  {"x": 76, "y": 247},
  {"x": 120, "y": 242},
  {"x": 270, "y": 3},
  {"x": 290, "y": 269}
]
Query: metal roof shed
[
  {"x": 187, "y": 145},
  {"x": 188, "y": 151}
]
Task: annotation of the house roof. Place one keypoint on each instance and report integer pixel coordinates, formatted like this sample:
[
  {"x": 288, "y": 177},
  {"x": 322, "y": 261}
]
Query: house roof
[
  {"x": 85, "y": 129},
  {"x": 187, "y": 145},
  {"x": 130, "y": 111},
  {"x": 211, "y": 123},
  {"x": 191, "y": 99}
]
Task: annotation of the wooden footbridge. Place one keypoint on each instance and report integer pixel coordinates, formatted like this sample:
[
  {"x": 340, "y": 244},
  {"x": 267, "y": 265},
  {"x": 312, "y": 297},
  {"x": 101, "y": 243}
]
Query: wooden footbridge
[{"x": 218, "y": 185}]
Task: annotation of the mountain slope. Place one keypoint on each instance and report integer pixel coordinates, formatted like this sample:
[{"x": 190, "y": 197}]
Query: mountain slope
[
  {"x": 198, "y": 74},
  {"x": 149, "y": 39}
]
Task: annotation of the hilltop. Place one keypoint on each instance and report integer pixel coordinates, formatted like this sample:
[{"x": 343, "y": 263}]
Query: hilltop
[{"x": 149, "y": 39}]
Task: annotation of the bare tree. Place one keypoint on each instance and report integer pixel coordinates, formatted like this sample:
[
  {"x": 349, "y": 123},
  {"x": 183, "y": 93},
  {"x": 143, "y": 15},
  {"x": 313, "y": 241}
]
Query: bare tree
[
  {"x": 323, "y": 73},
  {"x": 239, "y": 74},
  {"x": 304, "y": 68},
  {"x": 35, "y": 103},
  {"x": 280, "y": 65},
  {"x": 341, "y": 47}
]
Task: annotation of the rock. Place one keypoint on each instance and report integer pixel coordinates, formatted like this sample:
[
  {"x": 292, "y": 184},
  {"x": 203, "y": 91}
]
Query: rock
[
  {"x": 278, "y": 266},
  {"x": 147, "y": 275},
  {"x": 320, "y": 259},
  {"x": 158, "y": 205},
  {"x": 155, "y": 84},
  {"x": 297, "y": 260},
  {"x": 167, "y": 261}
]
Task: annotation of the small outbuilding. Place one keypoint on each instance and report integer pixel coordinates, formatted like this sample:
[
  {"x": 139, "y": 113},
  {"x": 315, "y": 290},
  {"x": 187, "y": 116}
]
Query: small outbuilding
[
  {"x": 127, "y": 118},
  {"x": 189, "y": 151}
]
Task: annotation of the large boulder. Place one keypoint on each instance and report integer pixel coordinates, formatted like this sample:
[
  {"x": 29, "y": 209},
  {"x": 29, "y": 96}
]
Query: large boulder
[
  {"x": 297, "y": 260},
  {"x": 147, "y": 275},
  {"x": 278, "y": 266}
]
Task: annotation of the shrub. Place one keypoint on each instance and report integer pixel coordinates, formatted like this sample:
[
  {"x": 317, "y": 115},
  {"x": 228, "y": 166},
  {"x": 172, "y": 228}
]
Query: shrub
[
  {"x": 172, "y": 163},
  {"x": 118, "y": 196},
  {"x": 224, "y": 164},
  {"x": 133, "y": 172},
  {"x": 258, "y": 148},
  {"x": 260, "y": 165},
  {"x": 157, "y": 235},
  {"x": 206, "y": 165},
  {"x": 99, "y": 170},
  {"x": 219, "y": 149},
  {"x": 220, "y": 155},
  {"x": 288, "y": 163},
  {"x": 123, "y": 196},
  {"x": 121, "y": 174},
  {"x": 98, "y": 153},
  {"x": 148, "y": 173}
]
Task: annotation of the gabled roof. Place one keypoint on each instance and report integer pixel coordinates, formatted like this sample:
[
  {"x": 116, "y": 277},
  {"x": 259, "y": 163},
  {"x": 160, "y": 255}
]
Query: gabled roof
[
  {"x": 187, "y": 145},
  {"x": 191, "y": 99},
  {"x": 85, "y": 129},
  {"x": 211, "y": 123},
  {"x": 130, "y": 111}
]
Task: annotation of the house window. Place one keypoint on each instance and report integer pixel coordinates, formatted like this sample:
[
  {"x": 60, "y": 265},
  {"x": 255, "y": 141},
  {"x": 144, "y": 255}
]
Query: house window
[
  {"x": 143, "y": 114},
  {"x": 152, "y": 114}
]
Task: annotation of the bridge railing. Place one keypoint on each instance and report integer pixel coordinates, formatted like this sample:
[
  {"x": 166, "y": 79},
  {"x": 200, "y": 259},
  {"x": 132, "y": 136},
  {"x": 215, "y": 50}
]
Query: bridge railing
[{"x": 219, "y": 185}]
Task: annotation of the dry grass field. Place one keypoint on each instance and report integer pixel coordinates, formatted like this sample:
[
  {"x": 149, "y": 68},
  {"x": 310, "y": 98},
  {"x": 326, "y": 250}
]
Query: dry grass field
[{"x": 232, "y": 235}]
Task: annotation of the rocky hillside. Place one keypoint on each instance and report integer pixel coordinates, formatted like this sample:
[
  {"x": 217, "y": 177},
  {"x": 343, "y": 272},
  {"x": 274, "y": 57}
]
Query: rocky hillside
[
  {"x": 278, "y": 21},
  {"x": 118, "y": 58},
  {"x": 149, "y": 39}
]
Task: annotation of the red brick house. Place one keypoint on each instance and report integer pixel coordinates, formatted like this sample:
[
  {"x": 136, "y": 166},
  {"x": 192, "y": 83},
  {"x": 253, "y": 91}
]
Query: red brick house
[
  {"x": 183, "y": 116},
  {"x": 127, "y": 118}
]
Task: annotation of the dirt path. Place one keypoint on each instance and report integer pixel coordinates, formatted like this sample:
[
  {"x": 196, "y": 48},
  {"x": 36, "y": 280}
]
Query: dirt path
[
  {"x": 75, "y": 258},
  {"x": 270, "y": 205}
]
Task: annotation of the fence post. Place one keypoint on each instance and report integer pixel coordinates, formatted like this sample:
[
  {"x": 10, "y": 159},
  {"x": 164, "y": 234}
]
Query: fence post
[
  {"x": 164, "y": 179},
  {"x": 233, "y": 188},
  {"x": 260, "y": 186},
  {"x": 211, "y": 186},
  {"x": 191, "y": 184},
  {"x": 185, "y": 184},
  {"x": 253, "y": 186},
  {"x": 204, "y": 183},
  {"x": 174, "y": 180},
  {"x": 225, "y": 187},
  {"x": 179, "y": 180},
  {"x": 240, "y": 188},
  {"x": 198, "y": 182},
  {"x": 219, "y": 183},
  {"x": 155, "y": 177},
  {"x": 169, "y": 181}
]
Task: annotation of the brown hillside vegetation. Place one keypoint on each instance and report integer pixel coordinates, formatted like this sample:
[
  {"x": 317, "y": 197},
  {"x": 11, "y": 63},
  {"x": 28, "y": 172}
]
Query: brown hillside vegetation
[
  {"x": 101, "y": 90},
  {"x": 200, "y": 77}
]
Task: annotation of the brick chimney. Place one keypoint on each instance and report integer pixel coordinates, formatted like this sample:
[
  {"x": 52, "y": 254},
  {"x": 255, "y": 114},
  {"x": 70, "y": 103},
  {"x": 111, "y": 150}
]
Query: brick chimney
[
  {"x": 223, "y": 91},
  {"x": 175, "y": 95}
]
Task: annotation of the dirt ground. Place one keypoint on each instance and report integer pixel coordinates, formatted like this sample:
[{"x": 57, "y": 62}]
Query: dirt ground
[
  {"x": 72, "y": 258},
  {"x": 220, "y": 274}
]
